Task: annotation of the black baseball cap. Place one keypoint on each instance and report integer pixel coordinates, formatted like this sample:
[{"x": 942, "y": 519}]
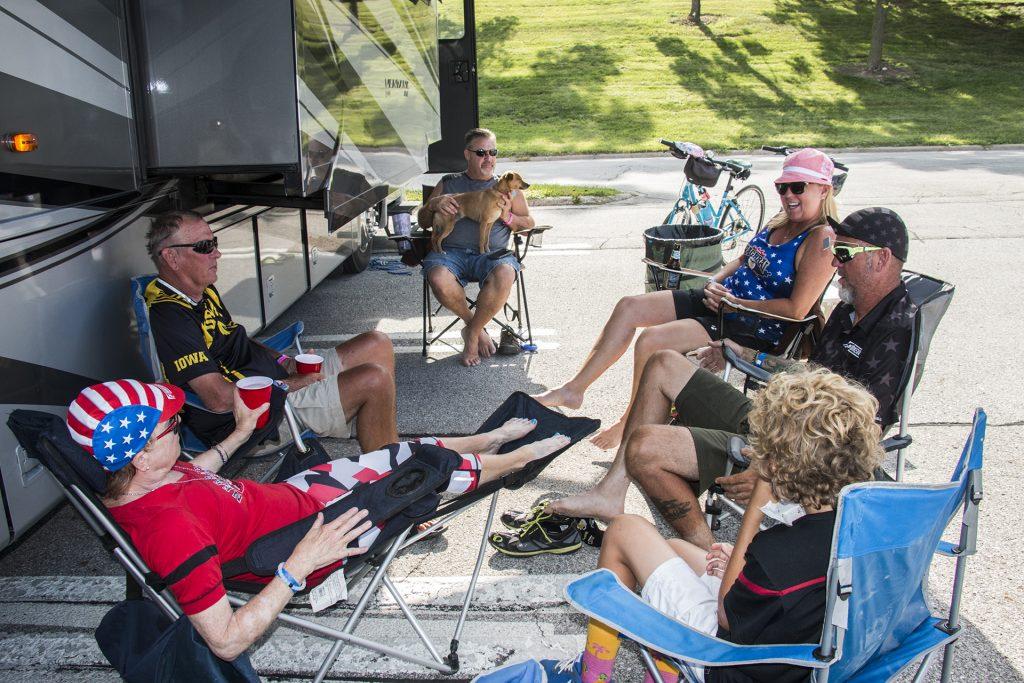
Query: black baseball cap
[{"x": 878, "y": 226}]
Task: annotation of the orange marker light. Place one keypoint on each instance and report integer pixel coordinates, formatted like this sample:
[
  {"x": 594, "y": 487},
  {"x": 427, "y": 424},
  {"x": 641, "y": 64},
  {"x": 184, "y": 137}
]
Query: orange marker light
[{"x": 20, "y": 142}]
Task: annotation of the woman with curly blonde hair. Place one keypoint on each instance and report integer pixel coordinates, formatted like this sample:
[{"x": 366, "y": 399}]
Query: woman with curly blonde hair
[{"x": 811, "y": 433}]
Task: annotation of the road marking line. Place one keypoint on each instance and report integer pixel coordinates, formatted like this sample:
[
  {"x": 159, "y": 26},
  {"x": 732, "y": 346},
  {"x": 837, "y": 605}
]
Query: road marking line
[{"x": 306, "y": 339}]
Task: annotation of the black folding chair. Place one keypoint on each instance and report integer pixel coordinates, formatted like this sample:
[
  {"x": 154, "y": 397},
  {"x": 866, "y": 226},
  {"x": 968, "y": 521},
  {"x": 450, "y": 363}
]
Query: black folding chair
[
  {"x": 46, "y": 438},
  {"x": 931, "y": 296},
  {"x": 519, "y": 315}
]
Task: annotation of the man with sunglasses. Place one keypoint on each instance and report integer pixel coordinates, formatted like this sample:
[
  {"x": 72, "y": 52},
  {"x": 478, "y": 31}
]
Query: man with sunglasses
[
  {"x": 201, "y": 347},
  {"x": 462, "y": 261}
]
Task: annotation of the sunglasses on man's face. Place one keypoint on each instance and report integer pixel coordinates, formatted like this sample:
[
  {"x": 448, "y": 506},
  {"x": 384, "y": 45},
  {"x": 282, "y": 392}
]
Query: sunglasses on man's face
[
  {"x": 200, "y": 247},
  {"x": 484, "y": 152},
  {"x": 796, "y": 188},
  {"x": 844, "y": 253}
]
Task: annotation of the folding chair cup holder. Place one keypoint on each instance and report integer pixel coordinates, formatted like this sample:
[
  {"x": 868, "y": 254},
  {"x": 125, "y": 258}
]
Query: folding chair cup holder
[
  {"x": 874, "y": 626},
  {"x": 45, "y": 437}
]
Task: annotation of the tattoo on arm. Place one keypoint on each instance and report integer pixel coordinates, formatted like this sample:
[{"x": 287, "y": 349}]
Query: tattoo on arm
[
  {"x": 775, "y": 363},
  {"x": 828, "y": 243},
  {"x": 671, "y": 509}
]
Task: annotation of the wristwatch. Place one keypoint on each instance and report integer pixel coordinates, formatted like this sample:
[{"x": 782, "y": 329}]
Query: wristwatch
[{"x": 289, "y": 580}]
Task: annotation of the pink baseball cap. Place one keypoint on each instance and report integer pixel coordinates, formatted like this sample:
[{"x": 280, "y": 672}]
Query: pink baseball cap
[
  {"x": 114, "y": 420},
  {"x": 807, "y": 165}
]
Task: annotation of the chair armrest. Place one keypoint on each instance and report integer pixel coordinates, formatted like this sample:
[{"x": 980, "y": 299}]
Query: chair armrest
[
  {"x": 744, "y": 366},
  {"x": 535, "y": 229},
  {"x": 735, "y": 305},
  {"x": 736, "y": 446},
  {"x": 602, "y": 596},
  {"x": 895, "y": 443},
  {"x": 683, "y": 271}
]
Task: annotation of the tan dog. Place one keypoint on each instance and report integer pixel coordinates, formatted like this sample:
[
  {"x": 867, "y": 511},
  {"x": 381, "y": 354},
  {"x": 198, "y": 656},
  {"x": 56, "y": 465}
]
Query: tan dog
[{"x": 481, "y": 206}]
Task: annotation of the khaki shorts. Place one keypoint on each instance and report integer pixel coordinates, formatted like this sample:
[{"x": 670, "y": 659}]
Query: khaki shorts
[
  {"x": 714, "y": 411},
  {"x": 318, "y": 406}
]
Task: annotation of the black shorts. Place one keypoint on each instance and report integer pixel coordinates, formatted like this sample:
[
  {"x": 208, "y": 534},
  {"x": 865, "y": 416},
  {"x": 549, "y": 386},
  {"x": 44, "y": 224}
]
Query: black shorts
[
  {"x": 713, "y": 410},
  {"x": 689, "y": 303}
]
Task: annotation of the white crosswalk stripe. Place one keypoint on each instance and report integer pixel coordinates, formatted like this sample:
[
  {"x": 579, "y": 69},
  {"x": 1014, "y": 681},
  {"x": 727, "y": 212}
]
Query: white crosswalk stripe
[{"x": 47, "y": 624}]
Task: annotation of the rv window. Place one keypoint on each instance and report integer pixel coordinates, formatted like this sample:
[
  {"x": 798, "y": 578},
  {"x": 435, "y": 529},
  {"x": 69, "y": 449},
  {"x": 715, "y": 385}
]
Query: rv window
[{"x": 451, "y": 20}]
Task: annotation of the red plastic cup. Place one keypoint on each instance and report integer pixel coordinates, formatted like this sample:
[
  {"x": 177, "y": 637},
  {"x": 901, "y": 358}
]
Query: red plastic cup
[
  {"x": 255, "y": 391},
  {"x": 308, "y": 363}
]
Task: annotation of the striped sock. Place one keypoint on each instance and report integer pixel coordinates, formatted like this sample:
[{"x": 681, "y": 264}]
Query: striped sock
[
  {"x": 669, "y": 674},
  {"x": 599, "y": 654}
]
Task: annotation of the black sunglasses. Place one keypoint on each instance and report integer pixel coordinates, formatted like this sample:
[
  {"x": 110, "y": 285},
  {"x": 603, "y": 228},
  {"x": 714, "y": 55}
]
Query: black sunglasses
[
  {"x": 200, "y": 247},
  {"x": 483, "y": 152},
  {"x": 796, "y": 188}
]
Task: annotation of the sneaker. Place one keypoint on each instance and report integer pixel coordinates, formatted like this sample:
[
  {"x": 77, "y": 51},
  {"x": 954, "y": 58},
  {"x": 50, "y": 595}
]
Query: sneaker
[
  {"x": 517, "y": 519},
  {"x": 509, "y": 345},
  {"x": 537, "y": 537},
  {"x": 563, "y": 670}
]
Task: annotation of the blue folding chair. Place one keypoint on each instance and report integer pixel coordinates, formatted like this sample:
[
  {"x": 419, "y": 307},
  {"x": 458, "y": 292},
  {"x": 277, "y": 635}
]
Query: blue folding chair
[
  {"x": 284, "y": 340},
  {"x": 877, "y": 620}
]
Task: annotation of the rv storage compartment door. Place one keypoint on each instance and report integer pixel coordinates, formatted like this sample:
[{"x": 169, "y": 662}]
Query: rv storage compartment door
[{"x": 64, "y": 78}]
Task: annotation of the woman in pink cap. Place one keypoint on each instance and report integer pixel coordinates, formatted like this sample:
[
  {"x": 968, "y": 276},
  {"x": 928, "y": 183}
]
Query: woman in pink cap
[
  {"x": 783, "y": 271},
  {"x": 187, "y": 522}
]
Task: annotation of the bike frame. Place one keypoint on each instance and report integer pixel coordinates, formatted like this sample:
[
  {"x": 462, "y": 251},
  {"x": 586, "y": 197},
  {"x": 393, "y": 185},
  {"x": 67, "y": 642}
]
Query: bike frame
[{"x": 689, "y": 196}]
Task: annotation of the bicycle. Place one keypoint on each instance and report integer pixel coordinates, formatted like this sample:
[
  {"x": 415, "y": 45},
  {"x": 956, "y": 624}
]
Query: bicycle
[{"x": 738, "y": 216}]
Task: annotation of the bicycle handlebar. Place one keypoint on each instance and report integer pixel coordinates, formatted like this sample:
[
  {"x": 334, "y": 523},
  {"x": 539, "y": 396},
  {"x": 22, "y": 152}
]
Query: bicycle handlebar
[{"x": 786, "y": 151}]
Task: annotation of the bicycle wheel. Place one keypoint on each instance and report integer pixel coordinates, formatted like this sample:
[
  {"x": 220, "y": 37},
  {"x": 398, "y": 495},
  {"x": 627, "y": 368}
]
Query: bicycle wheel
[
  {"x": 744, "y": 217},
  {"x": 680, "y": 213}
]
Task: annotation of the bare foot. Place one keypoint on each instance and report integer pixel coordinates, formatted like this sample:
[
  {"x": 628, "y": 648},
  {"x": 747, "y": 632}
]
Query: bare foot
[
  {"x": 486, "y": 345},
  {"x": 539, "y": 449},
  {"x": 593, "y": 503},
  {"x": 470, "y": 352},
  {"x": 515, "y": 428},
  {"x": 611, "y": 437},
  {"x": 562, "y": 396}
]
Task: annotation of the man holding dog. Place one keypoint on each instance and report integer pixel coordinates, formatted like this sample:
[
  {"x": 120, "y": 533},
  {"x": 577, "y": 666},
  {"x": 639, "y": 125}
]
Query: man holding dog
[
  {"x": 867, "y": 339},
  {"x": 201, "y": 347},
  {"x": 462, "y": 260}
]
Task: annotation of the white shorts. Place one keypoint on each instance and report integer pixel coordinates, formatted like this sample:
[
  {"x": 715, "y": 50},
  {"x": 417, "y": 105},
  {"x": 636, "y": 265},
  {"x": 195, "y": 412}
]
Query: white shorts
[
  {"x": 676, "y": 590},
  {"x": 318, "y": 406}
]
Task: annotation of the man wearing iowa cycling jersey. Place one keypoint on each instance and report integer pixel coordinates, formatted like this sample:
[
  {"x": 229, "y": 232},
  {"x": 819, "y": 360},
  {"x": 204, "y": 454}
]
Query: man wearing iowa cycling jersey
[{"x": 201, "y": 347}]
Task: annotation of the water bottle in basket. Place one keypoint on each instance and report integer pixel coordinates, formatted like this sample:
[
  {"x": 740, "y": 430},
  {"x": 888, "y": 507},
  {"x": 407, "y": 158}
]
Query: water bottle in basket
[{"x": 672, "y": 282}]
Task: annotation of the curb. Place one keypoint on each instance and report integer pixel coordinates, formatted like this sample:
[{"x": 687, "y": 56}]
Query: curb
[{"x": 1015, "y": 147}]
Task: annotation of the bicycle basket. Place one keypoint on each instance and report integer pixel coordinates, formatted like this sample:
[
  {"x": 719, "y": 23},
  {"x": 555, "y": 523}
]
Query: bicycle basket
[{"x": 701, "y": 172}]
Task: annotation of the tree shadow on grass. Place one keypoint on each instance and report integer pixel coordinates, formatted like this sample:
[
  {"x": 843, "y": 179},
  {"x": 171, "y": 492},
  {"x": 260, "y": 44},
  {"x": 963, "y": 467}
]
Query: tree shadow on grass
[{"x": 559, "y": 81}]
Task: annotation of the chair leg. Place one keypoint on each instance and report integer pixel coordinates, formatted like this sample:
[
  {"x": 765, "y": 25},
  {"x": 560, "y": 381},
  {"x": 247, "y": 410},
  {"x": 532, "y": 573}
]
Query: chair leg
[
  {"x": 521, "y": 286},
  {"x": 453, "y": 655},
  {"x": 426, "y": 313},
  {"x": 652, "y": 668}
]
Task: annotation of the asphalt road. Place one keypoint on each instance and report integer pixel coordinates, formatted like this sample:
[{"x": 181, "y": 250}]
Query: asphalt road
[{"x": 964, "y": 209}]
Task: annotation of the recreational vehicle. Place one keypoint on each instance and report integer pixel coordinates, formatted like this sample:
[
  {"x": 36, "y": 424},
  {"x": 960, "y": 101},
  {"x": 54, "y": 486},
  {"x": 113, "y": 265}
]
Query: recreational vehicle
[{"x": 289, "y": 124}]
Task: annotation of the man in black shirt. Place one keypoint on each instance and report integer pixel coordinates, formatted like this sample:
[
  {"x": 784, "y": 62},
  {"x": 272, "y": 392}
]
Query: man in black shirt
[
  {"x": 202, "y": 348},
  {"x": 867, "y": 339}
]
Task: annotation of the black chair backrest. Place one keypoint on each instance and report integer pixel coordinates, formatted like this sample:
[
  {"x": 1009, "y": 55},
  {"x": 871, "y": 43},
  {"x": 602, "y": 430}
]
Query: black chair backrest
[
  {"x": 932, "y": 297},
  {"x": 68, "y": 462}
]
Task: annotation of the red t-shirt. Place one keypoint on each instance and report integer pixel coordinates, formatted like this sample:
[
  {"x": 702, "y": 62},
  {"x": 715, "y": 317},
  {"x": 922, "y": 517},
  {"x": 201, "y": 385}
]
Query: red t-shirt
[{"x": 202, "y": 510}]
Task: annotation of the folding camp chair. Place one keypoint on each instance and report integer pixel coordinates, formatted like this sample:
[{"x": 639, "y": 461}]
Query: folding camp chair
[
  {"x": 877, "y": 619},
  {"x": 288, "y": 338},
  {"x": 522, "y": 240},
  {"x": 46, "y": 437}
]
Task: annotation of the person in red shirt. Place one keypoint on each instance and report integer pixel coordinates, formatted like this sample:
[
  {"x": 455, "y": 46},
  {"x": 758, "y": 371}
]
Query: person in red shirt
[{"x": 187, "y": 521}]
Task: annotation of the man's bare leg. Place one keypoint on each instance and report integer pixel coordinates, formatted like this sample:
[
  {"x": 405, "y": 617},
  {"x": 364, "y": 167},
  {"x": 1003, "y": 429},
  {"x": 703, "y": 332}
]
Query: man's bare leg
[
  {"x": 452, "y": 295},
  {"x": 662, "y": 460},
  {"x": 368, "y": 392},
  {"x": 666, "y": 374},
  {"x": 630, "y": 313},
  {"x": 679, "y": 335},
  {"x": 494, "y": 293},
  {"x": 368, "y": 347}
]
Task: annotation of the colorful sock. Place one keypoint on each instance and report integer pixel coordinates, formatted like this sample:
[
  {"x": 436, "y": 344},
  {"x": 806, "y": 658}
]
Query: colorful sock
[
  {"x": 599, "y": 654},
  {"x": 669, "y": 673}
]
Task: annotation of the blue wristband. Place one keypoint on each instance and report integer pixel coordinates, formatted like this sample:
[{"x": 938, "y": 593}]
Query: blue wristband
[
  {"x": 283, "y": 574},
  {"x": 759, "y": 359}
]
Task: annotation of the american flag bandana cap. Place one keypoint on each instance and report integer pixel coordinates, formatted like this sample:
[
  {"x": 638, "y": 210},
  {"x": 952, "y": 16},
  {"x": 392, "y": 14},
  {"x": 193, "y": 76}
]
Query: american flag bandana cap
[{"x": 114, "y": 420}]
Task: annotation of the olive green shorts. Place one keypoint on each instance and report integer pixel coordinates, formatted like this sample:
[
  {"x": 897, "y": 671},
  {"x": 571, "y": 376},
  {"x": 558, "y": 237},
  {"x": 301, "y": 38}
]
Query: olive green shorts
[{"x": 714, "y": 411}]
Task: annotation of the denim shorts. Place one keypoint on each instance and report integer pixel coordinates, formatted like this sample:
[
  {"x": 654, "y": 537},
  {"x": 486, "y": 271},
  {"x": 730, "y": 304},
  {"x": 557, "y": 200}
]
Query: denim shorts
[{"x": 466, "y": 264}]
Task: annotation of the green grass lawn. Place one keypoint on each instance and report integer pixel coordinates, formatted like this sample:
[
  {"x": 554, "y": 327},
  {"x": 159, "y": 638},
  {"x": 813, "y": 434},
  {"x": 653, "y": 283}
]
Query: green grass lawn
[{"x": 571, "y": 76}]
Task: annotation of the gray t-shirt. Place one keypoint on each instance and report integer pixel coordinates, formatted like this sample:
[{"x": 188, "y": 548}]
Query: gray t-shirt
[{"x": 466, "y": 234}]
